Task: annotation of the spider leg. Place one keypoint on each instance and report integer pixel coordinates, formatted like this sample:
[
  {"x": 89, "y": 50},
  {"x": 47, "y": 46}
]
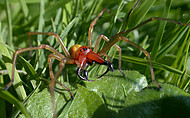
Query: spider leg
[
  {"x": 92, "y": 26},
  {"x": 112, "y": 42},
  {"x": 147, "y": 55},
  {"x": 90, "y": 31},
  {"x": 103, "y": 53},
  {"x": 128, "y": 15},
  {"x": 52, "y": 84},
  {"x": 149, "y": 20},
  {"x": 42, "y": 46},
  {"x": 65, "y": 88},
  {"x": 50, "y": 34},
  {"x": 53, "y": 79}
]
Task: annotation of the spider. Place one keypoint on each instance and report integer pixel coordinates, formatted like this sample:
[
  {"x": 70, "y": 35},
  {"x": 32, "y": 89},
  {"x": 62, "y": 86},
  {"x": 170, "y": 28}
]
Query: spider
[{"x": 82, "y": 56}]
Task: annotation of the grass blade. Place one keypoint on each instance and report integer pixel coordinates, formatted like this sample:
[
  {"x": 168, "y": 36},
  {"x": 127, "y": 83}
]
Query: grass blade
[
  {"x": 10, "y": 98},
  {"x": 8, "y": 63}
]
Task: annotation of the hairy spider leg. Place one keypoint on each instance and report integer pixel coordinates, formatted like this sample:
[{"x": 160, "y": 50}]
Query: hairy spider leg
[
  {"x": 52, "y": 83},
  {"x": 62, "y": 60}
]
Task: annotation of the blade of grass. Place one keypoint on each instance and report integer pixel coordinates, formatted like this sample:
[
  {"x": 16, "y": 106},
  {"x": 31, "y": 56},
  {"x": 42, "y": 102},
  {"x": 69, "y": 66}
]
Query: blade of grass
[
  {"x": 172, "y": 43},
  {"x": 54, "y": 7},
  {"x": 179, "y": 61},
  {"x": 8, "y": 63},
  {"x": 157, "y": 65},
  {"x": 2, "y": 101},
  {"x": 40, "y": 54},
  {"x": 182, "y": 81},
  {"x": 28, "y": 67},
  {"x": 68, "y": 28},
  {"x": 91, "y": 9},
  {"x": 24, "y": 8},
  {"x": 187, "y": 81},
  {"x": 160, "y": 32},
  {"x": 66, "y": 19},
  {"x": 8, "y": 97},
  {"x": 139, "y": 13},
  {"x": 9, "y": 21}
]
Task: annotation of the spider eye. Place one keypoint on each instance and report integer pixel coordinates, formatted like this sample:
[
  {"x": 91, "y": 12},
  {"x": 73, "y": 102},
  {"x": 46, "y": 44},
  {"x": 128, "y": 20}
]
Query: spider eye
[{"x": 84, "y": 48}]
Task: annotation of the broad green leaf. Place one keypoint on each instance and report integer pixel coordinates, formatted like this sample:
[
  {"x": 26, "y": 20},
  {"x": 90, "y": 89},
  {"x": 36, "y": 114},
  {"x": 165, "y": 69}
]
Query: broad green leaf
[
  {"x": 171, "y": 102},
  {"x": 87, "y": 104},
  {"x": 114, "y": 88},
  {"x": 113, "y": 96},
  {"x": 39, "y": 105},
  {"x": 107, "y": 92}
]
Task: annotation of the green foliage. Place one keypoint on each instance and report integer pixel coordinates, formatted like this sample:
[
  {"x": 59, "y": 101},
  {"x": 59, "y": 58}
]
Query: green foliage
[
  {"x": 114, "y": 96},
  {"x": 111, "y": 95}
]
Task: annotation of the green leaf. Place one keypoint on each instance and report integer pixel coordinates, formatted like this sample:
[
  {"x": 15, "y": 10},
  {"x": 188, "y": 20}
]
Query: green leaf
[
  {"x": 89, "y": 101},
  {"x": 171, "y": 102},
  {"x": 113, "y": 96},
  {"x": 87, "y": 104},
  {"x": 114, "y": 88}
]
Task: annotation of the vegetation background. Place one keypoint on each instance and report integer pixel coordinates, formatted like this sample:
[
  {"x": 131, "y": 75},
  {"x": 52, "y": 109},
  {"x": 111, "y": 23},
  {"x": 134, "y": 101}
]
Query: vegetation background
[{"x": 112, "y": 95}]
